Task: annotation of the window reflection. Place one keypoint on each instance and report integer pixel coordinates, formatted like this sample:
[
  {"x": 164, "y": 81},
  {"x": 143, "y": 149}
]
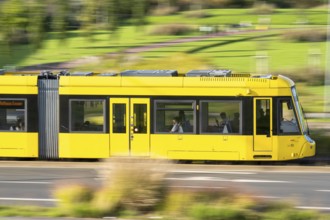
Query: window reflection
[
  {"x": 175, "y": 116},
  {"x": 119, "y": 118},
  {"x": 263, "y": 116},
  {"x": 288, "y": 120},
  {"x": 13, "y": 114},
  {"x": 87, "y": 115},
  {"x": 140, "y": 122},
  {"x": 221, "y": 117}
]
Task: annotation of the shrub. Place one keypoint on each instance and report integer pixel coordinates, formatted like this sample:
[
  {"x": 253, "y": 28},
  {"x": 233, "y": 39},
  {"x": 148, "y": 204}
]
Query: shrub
[
  {"x": 197, "y": 14},
  {"x": 322, "y": 139},
  {"x": 177, "y": 203},
  {"x": 131, "y": 184},
  {"x": 161, "y": 11},
  {"x": 209, "y": 204},
  {"x": 263, "y": 8},
  {"x": 172, "y": 29},
  {"x": 310, "y": 76},
  {"x": 74, "y": 200},
  {"x": 202, "y": 212},
  {"x": 305, "y": 35},
  {"x": 293, "y": 214}
]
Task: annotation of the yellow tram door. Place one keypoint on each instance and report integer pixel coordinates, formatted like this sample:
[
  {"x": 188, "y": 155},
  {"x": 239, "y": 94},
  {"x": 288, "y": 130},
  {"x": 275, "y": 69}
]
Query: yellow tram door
[
  {"x": 139, "y": 127},
  {"x": 262, "y": 126},
  {"x": 119, "y": 127},
  {"x": 129, "y": 127}
]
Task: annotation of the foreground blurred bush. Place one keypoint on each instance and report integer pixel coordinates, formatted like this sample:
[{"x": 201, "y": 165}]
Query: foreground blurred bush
[
  {"x": 133, "y": 185},
  {"x": 75, "y": 199},
  {"x": 137, "y": 188}
]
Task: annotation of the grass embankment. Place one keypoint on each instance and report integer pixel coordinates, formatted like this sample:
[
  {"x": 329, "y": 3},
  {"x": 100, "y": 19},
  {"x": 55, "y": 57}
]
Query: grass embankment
[
  {"x": 137, "y": 189},
  {"x": 266, "y": 50},
  {"x": 234, "y": 52}
]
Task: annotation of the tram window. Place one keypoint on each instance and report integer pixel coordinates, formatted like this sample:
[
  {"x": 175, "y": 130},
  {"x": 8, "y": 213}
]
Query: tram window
[
  {"x": 87, "y": 115},
  {"x": 12, "y": 114},
  {"x": 182, "y": 111},
  {"x": 263, "y": 123},
  {"x": 288, "y": 121},
  {"x": 140, "y": 118},
  {"x": 221, "y": 117},
  {"x": 119, "y": 118}
]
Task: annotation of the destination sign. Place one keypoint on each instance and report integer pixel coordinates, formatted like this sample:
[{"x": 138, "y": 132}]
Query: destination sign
[{"x": 11, "y": 103}]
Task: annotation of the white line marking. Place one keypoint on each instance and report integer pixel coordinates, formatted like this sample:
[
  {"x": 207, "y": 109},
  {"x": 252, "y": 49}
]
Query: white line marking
[
  {"x": 214, "y": 179},
  {"x": 199, "y": 187},
  {"x": 259, "y": 181},
  {"x": 29, "y": 199},
  {"x": 322, "y": 190},
  {"x": 214, "y": 172},
  {"x": 313, "y": 207},
  {"x": 199, "y": 178},
  {"x": 25, "y": 182},
  {"x": 267, "y": 197}
]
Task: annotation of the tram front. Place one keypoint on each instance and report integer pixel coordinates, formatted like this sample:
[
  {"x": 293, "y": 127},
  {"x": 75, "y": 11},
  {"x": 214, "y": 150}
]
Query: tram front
[{"x": 309, "y": 147}]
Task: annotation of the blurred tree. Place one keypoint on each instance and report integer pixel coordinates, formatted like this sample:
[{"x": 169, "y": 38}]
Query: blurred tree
[
  {"x": 61, "y": 13},
  {"x": 113, "y": 18},
  {"x": 217, "y": 3},
  {"x": 36, "y": 17},
  {"x": 139, "y": 12},
  {"x": 242, "y": 3},
  {"x": 13, "y": 21},
  {"x": 306, "y": 3},
  {"x": 294, "y": 3},
  {"x": 88, "y": 17}
]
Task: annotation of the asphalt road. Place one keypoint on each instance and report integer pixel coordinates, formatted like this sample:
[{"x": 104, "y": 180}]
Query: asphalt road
[{"x": 32, "y": 183}]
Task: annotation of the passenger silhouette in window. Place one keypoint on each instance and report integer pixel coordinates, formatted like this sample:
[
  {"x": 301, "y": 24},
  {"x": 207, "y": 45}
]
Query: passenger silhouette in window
[
  {"x": 86, "y": 126},
  {"x": 19, "y": 126},
  {"x": 263, "y": 122},
  {"x": 235, "y": 123},
  {"x": 223, "y": 125},
  {"x": 176, "y": 128},
  {"x": 184, "y": 122}
]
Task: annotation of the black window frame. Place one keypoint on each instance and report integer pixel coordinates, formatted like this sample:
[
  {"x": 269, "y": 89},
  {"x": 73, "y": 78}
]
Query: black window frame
[
  {"x": 25, "y": 100},
  {"x": 70, "y": 128},
  {"x": 175, "y": 101},
  {"x": 278, "y": 118},
  {"x": 240, "y": 102}
]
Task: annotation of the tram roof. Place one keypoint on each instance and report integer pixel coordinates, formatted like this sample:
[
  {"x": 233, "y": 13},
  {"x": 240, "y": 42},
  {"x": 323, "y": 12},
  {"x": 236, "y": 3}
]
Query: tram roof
[{"x": 194, "y": 78}]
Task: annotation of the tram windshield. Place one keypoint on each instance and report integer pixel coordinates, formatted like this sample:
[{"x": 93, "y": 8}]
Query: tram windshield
[{"x": 301, "y": 116}]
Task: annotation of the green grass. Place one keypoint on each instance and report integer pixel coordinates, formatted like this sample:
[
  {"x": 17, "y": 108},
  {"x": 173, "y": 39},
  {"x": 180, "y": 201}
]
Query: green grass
[
  {"x": 29, "y": 211},
  {"x": 77, "y": 46},
  {"x": 233, "y": 16},
  {"x": 236, "y": 52}
]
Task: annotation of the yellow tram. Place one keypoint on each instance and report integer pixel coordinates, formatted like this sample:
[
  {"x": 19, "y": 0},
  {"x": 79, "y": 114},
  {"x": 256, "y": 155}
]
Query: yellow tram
[{"x": 200, "y": 115}]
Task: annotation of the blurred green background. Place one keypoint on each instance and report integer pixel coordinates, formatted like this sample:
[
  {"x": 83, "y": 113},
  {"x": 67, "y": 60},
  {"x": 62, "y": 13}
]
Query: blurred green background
[{"x": 247, "y": 36}]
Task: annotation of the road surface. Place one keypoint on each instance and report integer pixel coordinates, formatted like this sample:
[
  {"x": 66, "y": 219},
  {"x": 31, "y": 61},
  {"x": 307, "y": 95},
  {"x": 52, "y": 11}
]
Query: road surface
[{"x": 32, "y": 183}]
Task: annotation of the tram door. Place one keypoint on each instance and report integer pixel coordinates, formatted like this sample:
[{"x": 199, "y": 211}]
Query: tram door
[
  {"x": 262, "y": 132},
  {"x": 129, "y": 127}
]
